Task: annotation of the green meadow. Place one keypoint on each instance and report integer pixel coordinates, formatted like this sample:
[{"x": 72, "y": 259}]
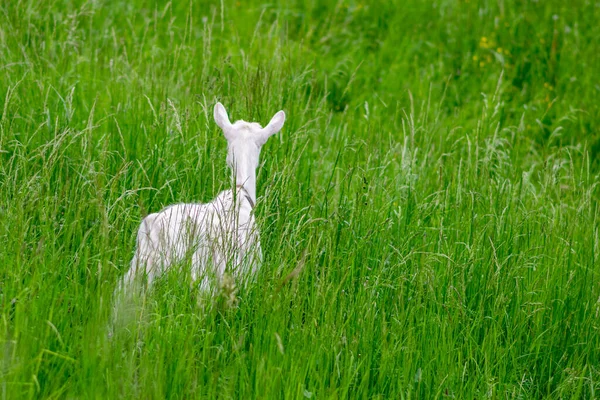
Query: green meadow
[{"x": 429, "y": 214}]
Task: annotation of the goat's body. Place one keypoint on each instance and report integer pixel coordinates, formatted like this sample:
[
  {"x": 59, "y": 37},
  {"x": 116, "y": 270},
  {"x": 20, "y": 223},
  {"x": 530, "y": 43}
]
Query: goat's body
[{"x": 211, "y": 238}]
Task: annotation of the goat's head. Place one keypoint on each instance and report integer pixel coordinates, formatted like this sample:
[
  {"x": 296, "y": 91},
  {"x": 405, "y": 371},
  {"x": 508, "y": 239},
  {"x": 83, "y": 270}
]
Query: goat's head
[{"x": 245, "y": 139}]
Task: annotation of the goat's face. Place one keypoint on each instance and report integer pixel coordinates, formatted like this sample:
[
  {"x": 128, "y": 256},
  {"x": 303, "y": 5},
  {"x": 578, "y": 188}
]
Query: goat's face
[{"x": 245, "y": 139}]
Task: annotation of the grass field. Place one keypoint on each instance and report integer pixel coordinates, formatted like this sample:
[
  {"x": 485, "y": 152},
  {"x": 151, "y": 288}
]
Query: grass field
[{"x": 429, "y": 214}]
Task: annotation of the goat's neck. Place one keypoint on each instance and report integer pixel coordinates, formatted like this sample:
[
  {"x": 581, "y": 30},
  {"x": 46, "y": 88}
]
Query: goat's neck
[{"x": 245, "y": 177}]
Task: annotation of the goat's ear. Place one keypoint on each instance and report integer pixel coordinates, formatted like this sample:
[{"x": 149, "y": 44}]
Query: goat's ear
[
  {"x": 222, "y": 119},
  {"x": 273, "y": 127}
]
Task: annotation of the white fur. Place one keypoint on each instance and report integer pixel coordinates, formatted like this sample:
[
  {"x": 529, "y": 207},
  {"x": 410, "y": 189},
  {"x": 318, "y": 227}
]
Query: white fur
[{"x": 215, "y": 237}]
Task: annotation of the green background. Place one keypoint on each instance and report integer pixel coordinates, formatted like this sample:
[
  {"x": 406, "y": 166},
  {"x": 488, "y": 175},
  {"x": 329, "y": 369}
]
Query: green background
[{"x": 428, "y": 214}]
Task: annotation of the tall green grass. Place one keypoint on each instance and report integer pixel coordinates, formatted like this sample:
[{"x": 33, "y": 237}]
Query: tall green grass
[{"x": 429, "y": 213}]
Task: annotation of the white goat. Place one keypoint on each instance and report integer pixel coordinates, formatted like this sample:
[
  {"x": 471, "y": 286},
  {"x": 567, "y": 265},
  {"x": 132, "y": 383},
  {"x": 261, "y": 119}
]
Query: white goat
[{"x": 214, "y": 237}]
